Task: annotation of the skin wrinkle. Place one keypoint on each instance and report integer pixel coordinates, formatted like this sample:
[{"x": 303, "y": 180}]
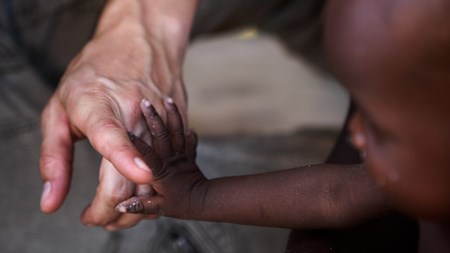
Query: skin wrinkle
[
  {"x": 329, "y": 199},
  {"x": 191, "y": 208},
  {"x": 353, "y": 195},
  {"x": 334, "y": 195},
  {"x": 79, "y": 114},
  {"x": 49, "y": 157},
  {"x": 111, "y": 87},
  {"x": 118, "y": 193}
]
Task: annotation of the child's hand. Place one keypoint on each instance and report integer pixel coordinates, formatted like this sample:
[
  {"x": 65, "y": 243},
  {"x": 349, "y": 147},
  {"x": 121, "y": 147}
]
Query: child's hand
[{"x": 177, "y": 181}]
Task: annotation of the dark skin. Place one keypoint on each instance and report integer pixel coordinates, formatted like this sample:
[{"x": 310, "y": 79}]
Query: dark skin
[
  {"x": 394, "y": 58},
  {"x": 395, "y": 64},
  {"x": 320, "y": 196}
]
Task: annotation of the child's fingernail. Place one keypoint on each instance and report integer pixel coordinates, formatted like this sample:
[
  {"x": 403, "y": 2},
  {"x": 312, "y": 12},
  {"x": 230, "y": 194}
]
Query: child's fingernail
[
  {"x": 146, "y": 103},
  {"x": 141, "y": 164},
  {"x": 148, "y": 108},
  {"x": 121, "y": 208},
  {"x": 132, "y": 205},
  {"x": 168, "y": 102},
  {"x": 46, "y": 191}
]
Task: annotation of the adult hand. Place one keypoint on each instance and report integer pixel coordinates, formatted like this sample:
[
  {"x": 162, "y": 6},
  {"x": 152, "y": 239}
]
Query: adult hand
[{"x": 98, "y": 98}]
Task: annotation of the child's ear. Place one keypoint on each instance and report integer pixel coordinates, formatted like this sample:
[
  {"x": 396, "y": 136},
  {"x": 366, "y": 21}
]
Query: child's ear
[{"x": 357, "y": 133}]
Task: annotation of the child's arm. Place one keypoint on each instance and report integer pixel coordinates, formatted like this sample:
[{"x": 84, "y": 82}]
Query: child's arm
[{"x": 306, "y": 197}]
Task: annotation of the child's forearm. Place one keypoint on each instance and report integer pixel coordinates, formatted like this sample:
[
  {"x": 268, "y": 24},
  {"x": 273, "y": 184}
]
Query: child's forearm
[
  {"x": 307, "y": 197},
  {"x": 310, "y": 197}
]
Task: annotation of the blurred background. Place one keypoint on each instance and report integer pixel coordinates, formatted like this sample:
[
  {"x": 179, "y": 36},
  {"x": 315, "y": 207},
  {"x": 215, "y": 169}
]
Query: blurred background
[
  {"x": 247, "y": 83},
  {"x": 257, "y": 108}
]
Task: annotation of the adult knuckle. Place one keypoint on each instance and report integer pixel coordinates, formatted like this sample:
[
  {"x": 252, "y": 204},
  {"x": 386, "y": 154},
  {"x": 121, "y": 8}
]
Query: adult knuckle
[
  {"x": 112, "y": 198},
  {"x": 105, "y": 124},
  {"x": 52, "y": 161},
  {"x": 99, "y": 130},
  {"x": 47, "y": 161},
  {"x": 47, "y": 157}
]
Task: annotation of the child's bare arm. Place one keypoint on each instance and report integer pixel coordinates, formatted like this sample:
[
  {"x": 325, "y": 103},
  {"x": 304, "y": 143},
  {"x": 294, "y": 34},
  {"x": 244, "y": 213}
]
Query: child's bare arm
[
  {"x": 311, "y": 197},
  {"x": 306, "y": 197}
]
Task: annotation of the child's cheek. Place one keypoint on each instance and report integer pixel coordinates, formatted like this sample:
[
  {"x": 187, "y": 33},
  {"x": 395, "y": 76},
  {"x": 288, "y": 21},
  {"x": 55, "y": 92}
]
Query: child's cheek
[
  {"x": 418, "y": 188},
  {"x": 389, "y": 174}
]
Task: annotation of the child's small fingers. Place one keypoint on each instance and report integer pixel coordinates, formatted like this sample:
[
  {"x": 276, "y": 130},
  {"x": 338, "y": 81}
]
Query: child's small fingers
[
  {"x": 140, "y": 205},
  {"x": 191, "y": 145},
  {"x": 175, "y": 126},
  {"x": 160, "y": 135},
  {"x": 148, "y": 153}
]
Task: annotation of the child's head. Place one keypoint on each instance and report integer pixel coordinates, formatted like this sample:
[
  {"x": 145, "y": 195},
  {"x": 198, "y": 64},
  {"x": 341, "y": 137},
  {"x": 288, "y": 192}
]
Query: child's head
[{"x": 394, "y": 58}]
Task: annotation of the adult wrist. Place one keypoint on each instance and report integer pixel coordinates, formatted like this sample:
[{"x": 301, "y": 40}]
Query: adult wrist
[{"x": 170, "y": 22}]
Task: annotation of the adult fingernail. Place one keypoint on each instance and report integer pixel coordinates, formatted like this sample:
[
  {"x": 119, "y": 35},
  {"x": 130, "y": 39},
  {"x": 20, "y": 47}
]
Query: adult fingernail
[
  {"x": 46, "y": 191},
  {"x": 141, "y": 164}
]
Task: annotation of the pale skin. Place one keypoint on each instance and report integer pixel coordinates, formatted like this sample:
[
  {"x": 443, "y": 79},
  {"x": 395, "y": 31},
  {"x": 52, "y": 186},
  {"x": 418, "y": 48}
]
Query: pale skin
[{"x": 137, "y": 51}]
